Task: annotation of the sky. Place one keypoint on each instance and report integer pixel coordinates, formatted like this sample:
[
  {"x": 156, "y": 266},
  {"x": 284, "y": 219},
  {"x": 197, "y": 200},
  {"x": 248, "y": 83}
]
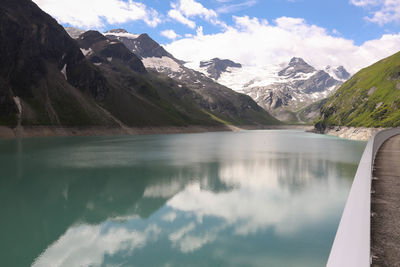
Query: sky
[{"x": 353, "y": 33}]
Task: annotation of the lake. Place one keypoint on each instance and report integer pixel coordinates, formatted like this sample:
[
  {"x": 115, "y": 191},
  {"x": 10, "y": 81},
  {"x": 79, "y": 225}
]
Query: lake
[{"x": 249, "y": 198}]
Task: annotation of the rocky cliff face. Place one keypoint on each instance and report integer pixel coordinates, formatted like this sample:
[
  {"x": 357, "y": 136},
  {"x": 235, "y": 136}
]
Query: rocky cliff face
[{"x": 42, "y": 69}]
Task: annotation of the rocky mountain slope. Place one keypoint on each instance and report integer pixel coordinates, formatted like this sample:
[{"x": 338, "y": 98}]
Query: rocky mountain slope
[
  {"x": 371, "y": 98},
  {"x": 282, "y": 89},
  {"x": 226, "y": 104},
  {"x": 48, "y": 78}
]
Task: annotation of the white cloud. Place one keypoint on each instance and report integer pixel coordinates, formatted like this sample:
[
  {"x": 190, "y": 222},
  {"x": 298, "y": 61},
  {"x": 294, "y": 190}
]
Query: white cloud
[
  {"x": 191, "y": 8},
  {"x": 177, "y": 235},
  {"x": 170, "y": 34},
  {"x": 364, "y": 2},
  {"x": 178, "y": 16},
  {"x": 163, "y": 190},
  {"x": 169, "y": 217},
  {"x": 255, "y": 42},
  {"x": 190, "y": 243},
  {"x": 184, "y": 11},
  {"x": 95, "y": 13},
  {"x": 229, "y": 8},
  {"x": 86, "y": 245},
  {"x": 384, "y": 11}
]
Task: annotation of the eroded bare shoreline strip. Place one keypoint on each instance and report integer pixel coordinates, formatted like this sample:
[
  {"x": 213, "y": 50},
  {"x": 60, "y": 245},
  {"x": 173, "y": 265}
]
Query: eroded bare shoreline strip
[
  {"x": 352, "y": 133},
  {"x": 48, "y": 131}
]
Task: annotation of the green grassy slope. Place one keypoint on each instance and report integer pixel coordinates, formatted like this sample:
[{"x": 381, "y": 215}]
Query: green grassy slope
[{"x": 371, "y": 98}]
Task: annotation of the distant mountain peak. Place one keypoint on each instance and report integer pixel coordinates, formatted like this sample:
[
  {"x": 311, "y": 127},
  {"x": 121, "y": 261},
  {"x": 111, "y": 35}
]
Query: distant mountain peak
[
  {"x": 121, "y": 33},
  {"x": 295, "y": 66},
  {"x": 297, "y": 60},
  {"x": 142, "y": 45},
  {"x": 227, "y": 62},
  {"x": 117, "y": 31},
  {"x": 215, "y": 67},
  {"x": 87, "y": 39},
  {"x": 145, "y": 35}
]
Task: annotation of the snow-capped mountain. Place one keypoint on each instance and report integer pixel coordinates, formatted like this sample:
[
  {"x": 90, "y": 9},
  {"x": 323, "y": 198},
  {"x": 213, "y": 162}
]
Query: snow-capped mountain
[{"x": 282, "y": 89}]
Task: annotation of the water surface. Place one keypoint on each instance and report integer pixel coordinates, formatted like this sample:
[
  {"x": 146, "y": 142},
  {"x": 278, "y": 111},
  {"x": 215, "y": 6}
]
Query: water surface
[{"x": 251, "y": 198}]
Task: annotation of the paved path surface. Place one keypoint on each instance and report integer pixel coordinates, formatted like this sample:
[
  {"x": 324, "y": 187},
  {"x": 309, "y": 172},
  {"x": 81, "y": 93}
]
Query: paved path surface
[{"x": 385, "y": 205}]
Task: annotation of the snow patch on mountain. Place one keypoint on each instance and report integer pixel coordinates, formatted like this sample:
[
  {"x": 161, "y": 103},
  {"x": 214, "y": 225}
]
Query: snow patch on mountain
[
  {"x": 64, "y": 71},
  {"x": 17, "y": 102},
  {"x": 74, "y": 32},
  {"x": 161, "y": 64},
  {"x": 122, "y": 34},
  {"x": 240, "y": 79},
  {"x": 86, "y": 52}
]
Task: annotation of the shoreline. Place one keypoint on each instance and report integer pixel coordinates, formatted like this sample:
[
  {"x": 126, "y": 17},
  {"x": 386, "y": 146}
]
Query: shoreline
[
  {"x": 352, "y": 133},
  {"x": 52, "y": 131}
]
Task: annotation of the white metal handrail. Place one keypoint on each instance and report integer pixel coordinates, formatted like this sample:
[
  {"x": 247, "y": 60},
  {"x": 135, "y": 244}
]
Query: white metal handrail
[{"x": 351, "y": 247}]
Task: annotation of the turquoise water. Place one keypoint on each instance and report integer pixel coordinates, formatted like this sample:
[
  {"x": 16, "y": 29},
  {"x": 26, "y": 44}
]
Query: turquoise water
[{"x": 251, "y": 198}]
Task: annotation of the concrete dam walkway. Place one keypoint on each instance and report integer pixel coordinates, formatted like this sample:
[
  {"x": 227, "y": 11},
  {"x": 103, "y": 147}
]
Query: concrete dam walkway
[{"x": 385, "y": 205}]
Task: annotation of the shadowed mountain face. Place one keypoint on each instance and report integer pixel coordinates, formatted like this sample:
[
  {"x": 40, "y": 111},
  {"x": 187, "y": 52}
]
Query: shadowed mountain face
[
  {"x": 109, "y": 50},
  {"x": 43, "y": 73},
  {"x": 371, "y": 98},
  {"x": 227, "y": 105}
]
